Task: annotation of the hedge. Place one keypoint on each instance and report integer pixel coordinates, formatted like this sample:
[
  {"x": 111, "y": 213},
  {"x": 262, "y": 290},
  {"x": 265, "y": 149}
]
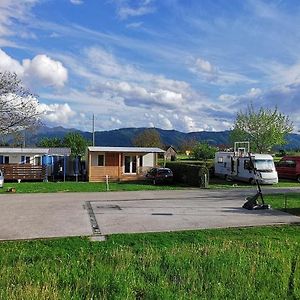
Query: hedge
[{"x": 188, "y": 174}]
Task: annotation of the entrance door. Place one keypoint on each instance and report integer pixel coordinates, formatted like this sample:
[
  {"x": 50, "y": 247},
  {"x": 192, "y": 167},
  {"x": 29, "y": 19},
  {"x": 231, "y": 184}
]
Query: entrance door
[{"x": 130, "y": 164}]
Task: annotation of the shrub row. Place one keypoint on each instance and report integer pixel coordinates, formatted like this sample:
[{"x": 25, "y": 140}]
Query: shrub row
[{"x": 188, "y": 174}]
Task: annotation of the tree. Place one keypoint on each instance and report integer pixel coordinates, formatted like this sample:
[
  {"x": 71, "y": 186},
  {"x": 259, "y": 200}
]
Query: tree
[
  {"x": 203, "y": 151},
  {"x": 76, "y": 142},
  {"x": 50, "y": 142},
  {"x": 187, "y": 145},
  {"x": 263, "y": 128},
  {"x": 148, "y": 138},
  {"x": 18, "y": 107}
]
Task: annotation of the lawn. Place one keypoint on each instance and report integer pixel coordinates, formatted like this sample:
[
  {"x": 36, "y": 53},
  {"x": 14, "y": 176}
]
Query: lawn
[
  {"x": 289, "y": 202},
  {"x": 252, "y": 263},
  {"x": 218, "y": 183},
  {"x": 69, "y": 186}
]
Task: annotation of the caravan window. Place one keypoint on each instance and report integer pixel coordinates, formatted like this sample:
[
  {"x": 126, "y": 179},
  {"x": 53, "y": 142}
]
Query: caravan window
[
  {"x": 247, "y": 165},
  {"x": 220, "y": 160}
]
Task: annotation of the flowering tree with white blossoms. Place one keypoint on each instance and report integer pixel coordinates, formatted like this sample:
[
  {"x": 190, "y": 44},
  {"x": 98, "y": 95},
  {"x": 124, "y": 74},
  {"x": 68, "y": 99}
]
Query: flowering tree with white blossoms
[{"x": 18, "y": 106}]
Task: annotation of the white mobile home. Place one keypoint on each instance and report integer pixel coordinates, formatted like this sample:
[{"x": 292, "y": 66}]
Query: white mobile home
[{"x": 238, "y": 167}]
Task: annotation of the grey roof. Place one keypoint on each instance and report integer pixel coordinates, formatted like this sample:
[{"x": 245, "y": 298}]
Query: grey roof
[
  {"x": 7, "y": 150},
  {"x": 59, "y": 151},
  {"x": 126, "y": 149},
  {"x": 45, "y": 151}
]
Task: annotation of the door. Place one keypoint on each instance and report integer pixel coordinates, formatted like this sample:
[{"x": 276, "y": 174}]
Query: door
[{"x": 130, "y": 164}]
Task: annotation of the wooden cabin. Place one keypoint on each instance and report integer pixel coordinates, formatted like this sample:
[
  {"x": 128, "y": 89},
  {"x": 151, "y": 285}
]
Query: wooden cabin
[{"x": 120, "y": 163}]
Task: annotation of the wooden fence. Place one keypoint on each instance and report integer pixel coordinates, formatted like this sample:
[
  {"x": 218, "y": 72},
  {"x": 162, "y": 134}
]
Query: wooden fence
[{"x": 23, "y": 172}]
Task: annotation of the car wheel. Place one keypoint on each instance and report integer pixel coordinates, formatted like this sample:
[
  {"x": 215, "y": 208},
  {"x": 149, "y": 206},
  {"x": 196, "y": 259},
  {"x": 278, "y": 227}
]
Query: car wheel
[{"x": 298, "y": 178}]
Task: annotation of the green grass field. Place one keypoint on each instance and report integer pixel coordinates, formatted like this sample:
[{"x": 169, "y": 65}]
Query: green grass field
[
  {"x": 218, "y": 183},
  {"x": 53, "y": 187},
  {"x": 68, "y": 186},
  {"x": 289, "y": 202},
  {"x": 252, "y": 263}
]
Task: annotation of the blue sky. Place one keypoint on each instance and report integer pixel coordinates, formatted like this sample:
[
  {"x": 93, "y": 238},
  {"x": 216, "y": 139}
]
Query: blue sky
[{"x": 187, "y": 65}]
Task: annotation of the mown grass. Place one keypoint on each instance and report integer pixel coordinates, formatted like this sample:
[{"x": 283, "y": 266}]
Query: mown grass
[
  {"x": 253, "y": 263},
  {"x": 289, "y": 202},
  {"x": 69, "y": 186},
  {"x": 218, "y": 183}
]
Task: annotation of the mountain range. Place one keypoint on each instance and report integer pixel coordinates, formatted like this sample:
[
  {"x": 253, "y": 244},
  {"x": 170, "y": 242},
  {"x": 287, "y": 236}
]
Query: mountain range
[{"x": 124, "y": 136}]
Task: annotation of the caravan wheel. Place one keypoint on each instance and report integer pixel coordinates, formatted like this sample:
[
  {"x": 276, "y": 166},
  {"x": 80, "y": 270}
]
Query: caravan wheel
[
  {"x": 227, "y": 178},
  {"x": 252, "y": 181}
]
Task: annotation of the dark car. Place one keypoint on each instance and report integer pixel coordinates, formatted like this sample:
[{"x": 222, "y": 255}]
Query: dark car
[
  {"x": 160, "y": 175},
  {"x": 289, "y": 167}
]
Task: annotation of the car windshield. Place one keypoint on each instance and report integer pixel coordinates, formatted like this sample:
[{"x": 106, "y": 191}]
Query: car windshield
[{"x": 264, "y": 164}]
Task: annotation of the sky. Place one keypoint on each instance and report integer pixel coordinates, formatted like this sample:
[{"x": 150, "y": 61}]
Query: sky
[{"x": 187, "y": 65}]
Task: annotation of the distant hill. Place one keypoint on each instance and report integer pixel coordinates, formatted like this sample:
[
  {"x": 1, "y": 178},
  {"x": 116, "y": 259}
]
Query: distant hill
[{"x": 124, "y": 136}]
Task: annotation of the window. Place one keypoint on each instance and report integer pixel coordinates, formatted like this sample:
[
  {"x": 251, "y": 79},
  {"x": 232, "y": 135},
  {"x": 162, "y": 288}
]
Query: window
[
  {"x": 141, "y": 160},
  {"x": 25, "y": 159},
  {"x": 37, "y": 160},
  {"x": 6, "y": 159},
  {"x": 1, "y": 159},
  {"x": 248, "y": 165},
  {"x": 291, "y": 164},
  {"x": 101, "y": 160},
  {"x": 220, "y": 160}
]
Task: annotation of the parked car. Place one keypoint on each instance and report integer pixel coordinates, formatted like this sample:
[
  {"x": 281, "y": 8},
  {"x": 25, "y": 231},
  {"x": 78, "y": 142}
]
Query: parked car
[
  {"x": 1, "y": 179},
  {"x": 289, "y": 167},
  {"x": 160, "y": 175}
]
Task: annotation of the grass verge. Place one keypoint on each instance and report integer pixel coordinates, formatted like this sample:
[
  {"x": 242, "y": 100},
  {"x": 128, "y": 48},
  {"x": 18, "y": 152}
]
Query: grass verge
[
  {"x": 248, "y": 263},
  {"x": 53, "y": 187},
  {"x": 217, "y": 183},
  {"x": 289, "y": 202}
]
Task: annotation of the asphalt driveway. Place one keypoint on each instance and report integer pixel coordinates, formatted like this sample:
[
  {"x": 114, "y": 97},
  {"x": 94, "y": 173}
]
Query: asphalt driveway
[{"x": 29, "y": 216}]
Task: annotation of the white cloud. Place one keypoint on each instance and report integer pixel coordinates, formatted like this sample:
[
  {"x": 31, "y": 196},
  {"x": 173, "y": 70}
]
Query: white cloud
[
  {"x": 204, "y": 66},
  {"x": 76, "y": 2},
  {"x": 57, "y": 113},
  {"x": 250, "y": 94},
  {"x": 208, "y": 72},
  {"x": 48, "y": 71},
  {"x": 164, "y": 122},
  {"x": 7, "y": 63},
  {"x": 12, "y": 10},
  {"x": 129, "y": 8},
  {"x": 134, "y": 25},
  {"x": 41, "y": 69}
]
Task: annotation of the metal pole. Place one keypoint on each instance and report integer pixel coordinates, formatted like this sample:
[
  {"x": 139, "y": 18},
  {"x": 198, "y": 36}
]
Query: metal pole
[
  {"x": 93, "y": 130},
  {"x": 65, "y": 168}
]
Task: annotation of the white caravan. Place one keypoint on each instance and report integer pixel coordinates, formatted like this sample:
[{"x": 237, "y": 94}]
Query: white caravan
[
  {"x": 1, "y": 179},
  {"x": 237, "y": 166}
]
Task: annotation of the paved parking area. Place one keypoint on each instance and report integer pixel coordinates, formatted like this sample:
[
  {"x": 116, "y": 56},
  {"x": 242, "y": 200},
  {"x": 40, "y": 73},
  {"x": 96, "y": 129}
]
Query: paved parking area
[
  {"x": 181, "y": 213},
  {"x": 29, "y": 216}
]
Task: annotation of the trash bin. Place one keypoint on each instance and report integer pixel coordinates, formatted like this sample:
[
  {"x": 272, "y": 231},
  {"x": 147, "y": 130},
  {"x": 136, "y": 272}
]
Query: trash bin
[{"x": 1, "y": 179}]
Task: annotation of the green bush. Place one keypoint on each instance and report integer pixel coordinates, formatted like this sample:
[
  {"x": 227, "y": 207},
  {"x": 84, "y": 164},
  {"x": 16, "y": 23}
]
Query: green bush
[{"x": 189, "y": 174}]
